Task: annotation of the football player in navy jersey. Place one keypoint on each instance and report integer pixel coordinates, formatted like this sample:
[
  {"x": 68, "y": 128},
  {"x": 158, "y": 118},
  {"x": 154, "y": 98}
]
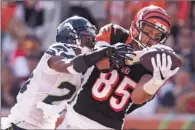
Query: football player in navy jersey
[{"x": 57, "y": 77}]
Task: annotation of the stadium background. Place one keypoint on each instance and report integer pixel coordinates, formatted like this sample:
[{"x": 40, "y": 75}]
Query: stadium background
[{"x": 29, "y": 27}]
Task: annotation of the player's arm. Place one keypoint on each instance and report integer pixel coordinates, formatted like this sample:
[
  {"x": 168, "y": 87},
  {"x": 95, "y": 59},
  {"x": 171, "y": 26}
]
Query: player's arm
[
  {"x": 149, "y": 85},
  {"x": 78, "y": 64},
  {"x": 62, "y": 61},
  {"x": 139, "y": 95}
]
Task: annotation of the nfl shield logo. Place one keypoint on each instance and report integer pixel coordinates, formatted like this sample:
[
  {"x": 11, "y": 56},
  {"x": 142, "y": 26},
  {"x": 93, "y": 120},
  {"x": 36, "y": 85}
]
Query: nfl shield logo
[{"x": 125, "y": 70}]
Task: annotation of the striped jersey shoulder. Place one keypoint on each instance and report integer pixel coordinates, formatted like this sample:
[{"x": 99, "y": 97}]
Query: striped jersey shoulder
[{"x": 61, "y": 49}]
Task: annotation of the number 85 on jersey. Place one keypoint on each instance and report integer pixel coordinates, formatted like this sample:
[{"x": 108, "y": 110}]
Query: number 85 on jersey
[{"x": 105, "y": 89}]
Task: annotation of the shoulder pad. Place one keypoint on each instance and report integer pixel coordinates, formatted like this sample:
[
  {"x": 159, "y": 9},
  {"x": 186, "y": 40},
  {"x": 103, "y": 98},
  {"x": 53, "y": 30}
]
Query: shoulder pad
[
  {"x": 61, "y": 49},
  {"x": 112, "y": 33}
]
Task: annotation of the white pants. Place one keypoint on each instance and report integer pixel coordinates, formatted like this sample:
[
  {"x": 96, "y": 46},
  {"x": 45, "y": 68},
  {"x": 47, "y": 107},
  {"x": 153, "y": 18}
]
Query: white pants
[
  {"x": 48, "y": 123},
  {"x": 73, "y": 120},
  {"x": 6, "y": 123}
]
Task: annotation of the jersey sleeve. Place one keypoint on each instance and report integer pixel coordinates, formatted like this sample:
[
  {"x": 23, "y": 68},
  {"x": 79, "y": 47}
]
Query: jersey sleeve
[
  {"x": 138, "y": 106},
  {"x": 112, "y": 34},
  {"x": 60, "y": 49}
]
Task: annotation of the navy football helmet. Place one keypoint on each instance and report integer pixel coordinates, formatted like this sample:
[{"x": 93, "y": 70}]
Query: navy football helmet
[{"x": 77, "y": 30}]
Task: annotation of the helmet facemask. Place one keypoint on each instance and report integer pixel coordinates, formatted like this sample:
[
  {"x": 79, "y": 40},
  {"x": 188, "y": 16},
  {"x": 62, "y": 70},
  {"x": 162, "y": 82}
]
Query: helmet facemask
[
  {"x": 160, "y": 39},
  {"x": 86, "y": 36},
  {"x": 82, "y": 37}
]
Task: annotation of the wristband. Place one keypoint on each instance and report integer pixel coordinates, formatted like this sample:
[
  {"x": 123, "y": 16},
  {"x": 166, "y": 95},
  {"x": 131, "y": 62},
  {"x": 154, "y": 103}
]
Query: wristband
[{"x": 152, "y": 86}]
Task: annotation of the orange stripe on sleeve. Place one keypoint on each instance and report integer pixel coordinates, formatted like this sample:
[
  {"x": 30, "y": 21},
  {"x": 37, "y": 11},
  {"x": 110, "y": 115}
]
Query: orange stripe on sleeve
[{"x": 105, "y": 33}]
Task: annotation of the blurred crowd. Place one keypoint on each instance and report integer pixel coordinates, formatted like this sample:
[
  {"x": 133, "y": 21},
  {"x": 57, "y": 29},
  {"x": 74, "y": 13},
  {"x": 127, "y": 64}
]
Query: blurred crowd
[{"x": 29, "y": 27}]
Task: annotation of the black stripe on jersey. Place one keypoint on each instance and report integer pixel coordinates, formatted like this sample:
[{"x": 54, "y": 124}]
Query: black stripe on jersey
[
  {"x": 66, "y": 56},
  {"x": 60, "y": 50},
  {"x": 24, "y": 86},
  {"x": 118, "y": 34}
]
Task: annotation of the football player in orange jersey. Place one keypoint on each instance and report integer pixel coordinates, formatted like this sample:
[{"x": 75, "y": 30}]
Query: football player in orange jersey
[{"x": 104, "y": 99}]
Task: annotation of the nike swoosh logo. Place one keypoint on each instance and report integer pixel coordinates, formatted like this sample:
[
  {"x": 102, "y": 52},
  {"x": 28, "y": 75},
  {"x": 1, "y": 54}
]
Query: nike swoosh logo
[{"x": 161, "y": 75}]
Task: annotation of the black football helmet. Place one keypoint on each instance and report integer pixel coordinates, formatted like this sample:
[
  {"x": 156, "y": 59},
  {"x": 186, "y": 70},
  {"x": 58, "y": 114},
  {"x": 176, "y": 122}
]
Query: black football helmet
[{"x": 77, "y": 30}]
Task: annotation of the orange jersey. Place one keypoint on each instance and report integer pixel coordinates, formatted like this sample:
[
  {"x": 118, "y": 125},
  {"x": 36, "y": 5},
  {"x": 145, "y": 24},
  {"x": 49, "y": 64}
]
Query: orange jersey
[{"x": 113, "y": 33}]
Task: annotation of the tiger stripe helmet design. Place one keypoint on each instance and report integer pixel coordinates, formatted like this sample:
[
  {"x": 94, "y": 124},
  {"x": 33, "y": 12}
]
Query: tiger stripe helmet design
[{"x": 154, "y": 16}]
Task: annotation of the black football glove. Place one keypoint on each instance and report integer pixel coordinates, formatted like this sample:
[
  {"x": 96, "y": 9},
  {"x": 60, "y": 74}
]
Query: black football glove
[{"x": 118, "y": 53}]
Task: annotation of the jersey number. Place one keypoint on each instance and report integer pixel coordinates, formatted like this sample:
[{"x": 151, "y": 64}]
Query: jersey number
[
  {"x": 104, "y": 85},
  {"x": 52, "y": 98}
]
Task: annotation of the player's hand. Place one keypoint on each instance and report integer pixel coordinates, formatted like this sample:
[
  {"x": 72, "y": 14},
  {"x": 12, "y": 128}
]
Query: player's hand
[
  {"x": 162, "y": 68},
  {"x": 122, "y": 52},
  {"x": 116, "y": 57}
]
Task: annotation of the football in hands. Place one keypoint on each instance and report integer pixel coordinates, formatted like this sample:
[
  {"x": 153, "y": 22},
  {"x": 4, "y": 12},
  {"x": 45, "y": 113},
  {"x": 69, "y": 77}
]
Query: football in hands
[{"x": 150, "y": 52}]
